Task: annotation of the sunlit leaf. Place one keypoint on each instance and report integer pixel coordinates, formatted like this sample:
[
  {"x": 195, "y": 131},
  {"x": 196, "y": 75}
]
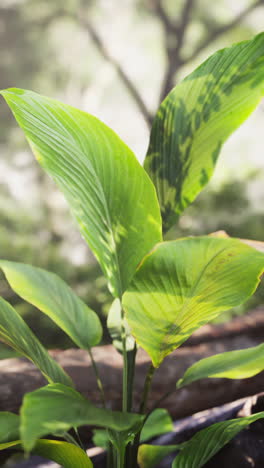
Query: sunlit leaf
[
  {"x": 11, "y": 444},
  {"x": 52, "y": 296},
  {"x": 258, "y": 245},
  {"x": 110, "y": 194},
  {"x": 120, "y": 440},
  {"x": 114, "y": 325},
  {"x": 184, "y": 284},
  {"x": 240, "y": 364},
  {"x": 150, "y": 455},
  {"x": 196, "y": 118},
  {"x": 63, "y": 453},
  {"x": 54, "y": 409},
  {"x": 15, "y": 333},
  {"x": 198, "y": 450},
  {"x": 9, "y": 427},
  {"x": 100, "y": 438},
  {"x": 159, "y": 422}
]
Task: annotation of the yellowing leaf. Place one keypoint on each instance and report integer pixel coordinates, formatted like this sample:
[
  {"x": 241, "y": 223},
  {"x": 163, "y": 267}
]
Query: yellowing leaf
[{"x": 184, "y": 284}]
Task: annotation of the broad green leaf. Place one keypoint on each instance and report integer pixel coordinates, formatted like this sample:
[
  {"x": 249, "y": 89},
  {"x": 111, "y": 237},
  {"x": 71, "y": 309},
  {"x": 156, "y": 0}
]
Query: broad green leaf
[
  {"x": 159, "y": 422},
  {"x": 54, "y": 409},
  {"x": 55, "y": 298},
  {"x": 114, "y": 325},
  {"x": 109, "y": 193},
  {"x": 67, "y": 455},
  {"x": 184, "y": 284},
  {"x": 240, "y": 364},
  {"x": 200, "y": 448},
  {"x": 14, "y": 443},
  {"x": 150, "y": 455},
  {"x": 196, "y": 118},
  {"x": 9, "y": 427},
  {"x": 63, "y": 453},
  {"x": 120, "y": 440},
  {"x": 15, "y": 333},
  {"x": 100, "y": 438},
  {"x": 258, "y": 245}
]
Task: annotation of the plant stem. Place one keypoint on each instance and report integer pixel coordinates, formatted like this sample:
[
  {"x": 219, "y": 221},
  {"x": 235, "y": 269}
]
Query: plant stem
[
  {"x": 71, "y": 440},
  {"x": 131, "y": 372},
  {"x": 110, "y": 455},
  {"x": 147, "y": 385},
  {"x": 78, "y": 438},
  {"x": 125, "y": 368},
  {"x": 98, "y": 380},
  {"x": 120, "y": 458},
  {"x": 129, "y": 357},
  {"x": 115, "y": 458},
  {"x": 163, "y": 397},
  {"x": 130, "y": 457},
  {"x": 125, "y": 383},
  {"x": 142, "y": 410}
]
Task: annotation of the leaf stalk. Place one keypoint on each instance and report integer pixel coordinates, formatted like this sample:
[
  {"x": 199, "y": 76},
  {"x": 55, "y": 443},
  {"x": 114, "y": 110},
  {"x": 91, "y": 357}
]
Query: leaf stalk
[{"x": 98, "y": 379}]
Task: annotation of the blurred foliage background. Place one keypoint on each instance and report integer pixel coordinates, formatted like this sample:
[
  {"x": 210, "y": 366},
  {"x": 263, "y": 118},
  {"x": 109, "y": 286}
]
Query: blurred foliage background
[{"x": 116, "y": 60}]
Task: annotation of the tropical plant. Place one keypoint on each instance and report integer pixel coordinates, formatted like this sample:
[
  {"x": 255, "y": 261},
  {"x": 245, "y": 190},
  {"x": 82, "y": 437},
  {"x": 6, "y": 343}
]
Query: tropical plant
[{"x": 163, "y": 290}]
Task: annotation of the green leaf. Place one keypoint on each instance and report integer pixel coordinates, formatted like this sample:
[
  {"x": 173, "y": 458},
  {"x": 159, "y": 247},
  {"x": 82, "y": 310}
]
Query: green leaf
[
  {"x": 200, "y": 448},
  {"x": 114, "y": 325},
  {"x": 159, "y": 422},
  {"x": 54, "y": 409},
  {"x": 100, "y": 438},
  {"x": 196, "y": 118},
  {"x": 109, "y": 193},
  {"x": 150, "y": 455},
  {"x": 52, "y": 296},
  {"x": 120, "y": 440},
  {"x": 184, "y": 284},
  {"x": 14, "y": 443},
  {"x": 67, "y": 455},
  {"x": 15, "y": 333},
  {"x": 258, "y": 245},
  {"x": 9, "y": 427},
  {"x": 63, "y": 453},
  {"x": 240, "y": 364}
]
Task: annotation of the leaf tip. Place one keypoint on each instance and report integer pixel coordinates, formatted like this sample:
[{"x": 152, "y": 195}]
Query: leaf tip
[
  {"x": 27, "y": 443},
  {"x": 9, "y": 92},
  {"x": 12, "y": 91},
  {"x": 179, "y": 384}
]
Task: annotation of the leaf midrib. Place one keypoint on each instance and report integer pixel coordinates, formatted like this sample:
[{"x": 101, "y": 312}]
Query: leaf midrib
[
  {"x": 189, "y": 297},
  {"x": 94, "y": 172}
]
